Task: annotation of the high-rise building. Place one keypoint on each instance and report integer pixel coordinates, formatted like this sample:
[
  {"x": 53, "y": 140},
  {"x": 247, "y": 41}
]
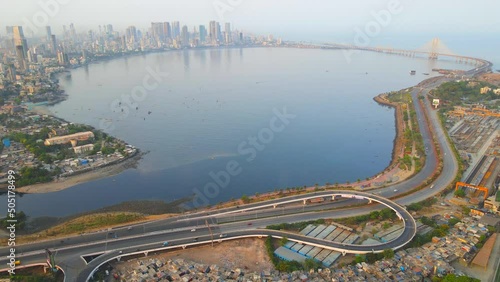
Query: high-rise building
[
  {"x": 109, "y": 29},
  {"x": 203, "y": 34},
  {"x": 9, "y": 30},
  {"x": 219, "y": 32},
  {"x": 11, "y": 72},
  {"x": 157, "y": 32},
  {"x": 72, "y": 31},
  {"x": 49, "y": 33},
  {"x": 53, "y": 44},
  {"x": 227, "y": 34},
  {"x": 131, "y": 34},
  {"x": 176, "y": 30},
  {"x": 21, "y": 46},
  {"x": 214, "y": 32},
  {"x": 62, "y": 58},
  {"x": 167, "y": 30},
  {"x": 32, "y": 56},
  {"x": 185, "y": 36}
]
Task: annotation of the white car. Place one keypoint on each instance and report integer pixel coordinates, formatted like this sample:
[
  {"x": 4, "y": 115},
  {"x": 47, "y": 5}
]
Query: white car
[
  {"x": 193, "y": 230},
  {"x": 395, "y": 190}
]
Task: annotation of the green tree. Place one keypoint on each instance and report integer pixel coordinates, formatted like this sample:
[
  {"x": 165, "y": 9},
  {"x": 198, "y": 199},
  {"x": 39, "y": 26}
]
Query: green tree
[
  {"x": 455, "y": 278},
  {"x": 359, "y": 259},
  {"x": 311, "y": 263},
  {"x": 283, "y": 241},
  {"x": 466, "y": 210},
  {"x": 460, "y": 193},
  {"x": 245, "y": 199},
  {"x": 388, "y": 253}
]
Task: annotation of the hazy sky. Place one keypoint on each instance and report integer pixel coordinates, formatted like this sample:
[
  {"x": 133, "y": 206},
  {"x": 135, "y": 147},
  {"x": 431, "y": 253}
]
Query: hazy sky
[{"x": 280, "y": 17}]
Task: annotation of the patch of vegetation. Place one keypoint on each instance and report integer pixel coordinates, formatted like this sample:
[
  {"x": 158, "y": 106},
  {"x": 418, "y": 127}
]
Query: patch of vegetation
[
  {"x": 456, "y": 93},
  {"x": 453, "y": 221},
  {"x": 21, "y": 221},
  {"x": 297, "y": 226},
  {"x": 420, "y": 205},
  {"x": 371, "y": 258},
  {"x": 460, "y": 193},
  {"x": 439, "y": 231},
  {"x": 92, "y": 222},
  {"x": 33, "y": 175},
  {"x": 454, "y": 278},
  {"x": 383, "y": 214}
]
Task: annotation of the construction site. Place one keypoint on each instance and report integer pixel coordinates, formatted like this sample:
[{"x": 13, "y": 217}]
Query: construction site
[{"x": 475, "y": 134}]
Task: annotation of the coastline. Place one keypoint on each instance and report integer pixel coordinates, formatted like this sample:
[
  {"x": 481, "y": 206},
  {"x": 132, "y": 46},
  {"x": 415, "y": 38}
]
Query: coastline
[
  {"x": 117, "y": 168},
  {"x": 99, "y": 173},
  {"x": 398, "y": 140}
]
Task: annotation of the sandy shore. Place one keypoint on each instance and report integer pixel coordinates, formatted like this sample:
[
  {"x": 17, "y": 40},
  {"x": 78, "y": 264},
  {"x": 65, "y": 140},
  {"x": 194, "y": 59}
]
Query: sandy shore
[{"x": 65, "y": 183}]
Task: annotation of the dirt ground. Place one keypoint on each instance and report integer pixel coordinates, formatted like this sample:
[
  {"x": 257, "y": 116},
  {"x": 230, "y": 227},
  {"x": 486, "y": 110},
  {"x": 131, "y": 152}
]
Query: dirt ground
[
  {"x": 493, "y": 78},
  {"x": 248, "y": 254}
]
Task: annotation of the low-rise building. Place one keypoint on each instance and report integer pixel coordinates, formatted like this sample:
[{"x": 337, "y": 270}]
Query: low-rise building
[
  {"x": 492, "y": 205},
  {"x": 83, "y": 149}
]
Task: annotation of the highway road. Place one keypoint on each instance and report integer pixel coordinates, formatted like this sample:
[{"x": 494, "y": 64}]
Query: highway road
[{"x": 178, "y": 230}]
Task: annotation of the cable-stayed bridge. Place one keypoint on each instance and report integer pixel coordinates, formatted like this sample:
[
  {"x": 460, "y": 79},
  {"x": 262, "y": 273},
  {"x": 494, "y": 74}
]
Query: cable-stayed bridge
[{"x": 432, "y": 50}]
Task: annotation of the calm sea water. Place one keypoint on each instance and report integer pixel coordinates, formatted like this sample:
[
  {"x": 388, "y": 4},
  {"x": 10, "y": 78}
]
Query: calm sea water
[{"x": 206, "y": 105}]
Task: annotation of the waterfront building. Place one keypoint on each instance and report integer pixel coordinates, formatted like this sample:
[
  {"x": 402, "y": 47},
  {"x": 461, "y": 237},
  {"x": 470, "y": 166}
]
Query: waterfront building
[
  {"x": 203, "y": 34},
  {"x": 131, "y": 34},
  {"x": 80, "y": 136},
  {"x": 185, "y": 36},
  {"x": 227, "y": 35},
  {"x": 176, "y": 30}
]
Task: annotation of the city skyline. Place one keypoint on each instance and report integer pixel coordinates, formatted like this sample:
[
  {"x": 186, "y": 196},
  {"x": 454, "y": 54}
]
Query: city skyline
[{"x": 277, "y": 17}]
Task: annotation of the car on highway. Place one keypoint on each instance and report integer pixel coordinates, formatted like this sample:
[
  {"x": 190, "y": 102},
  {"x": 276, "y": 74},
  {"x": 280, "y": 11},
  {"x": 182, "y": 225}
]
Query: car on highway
[
  {"x": 432, "y": 186},
  {"x": 165, "y": 243},
  {"x": 222, "y": 235},
  {"x": 249, "y": 223},
  {"x": 195, "y": 239},
  {"x": 395, "y": 190},
  {"x": 193, "y": 230}
]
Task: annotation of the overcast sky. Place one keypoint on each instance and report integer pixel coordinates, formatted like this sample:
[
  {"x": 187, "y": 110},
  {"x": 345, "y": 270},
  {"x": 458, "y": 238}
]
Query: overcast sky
[{"x": 279, "y": 17}]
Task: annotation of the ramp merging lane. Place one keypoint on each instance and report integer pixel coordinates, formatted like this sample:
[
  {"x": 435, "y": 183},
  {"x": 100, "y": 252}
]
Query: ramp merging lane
[{"x": 410, "y": 229}]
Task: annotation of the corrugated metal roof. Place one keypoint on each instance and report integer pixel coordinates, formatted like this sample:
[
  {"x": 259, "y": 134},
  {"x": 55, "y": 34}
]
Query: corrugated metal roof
[{"x": 483, "y": 256}]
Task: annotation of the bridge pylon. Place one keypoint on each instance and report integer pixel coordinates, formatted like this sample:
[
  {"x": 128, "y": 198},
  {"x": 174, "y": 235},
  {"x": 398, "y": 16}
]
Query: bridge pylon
[{"x": 433, "y": 55}]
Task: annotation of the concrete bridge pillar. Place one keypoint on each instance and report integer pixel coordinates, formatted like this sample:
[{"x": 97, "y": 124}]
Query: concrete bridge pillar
[
  {"x": 305, "y": 202},
  {"x": 118, "y": 258},
  {"x": 274, "y": 206},
  {"x": 344, "y": 253},
  {"x": 399, "y": 216},
  {"x": 145, "y": 254},
  {"x": 369, "y": 201},
  {"x": 183, "y": 247},
  {"x": 333, "y": 197}
]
